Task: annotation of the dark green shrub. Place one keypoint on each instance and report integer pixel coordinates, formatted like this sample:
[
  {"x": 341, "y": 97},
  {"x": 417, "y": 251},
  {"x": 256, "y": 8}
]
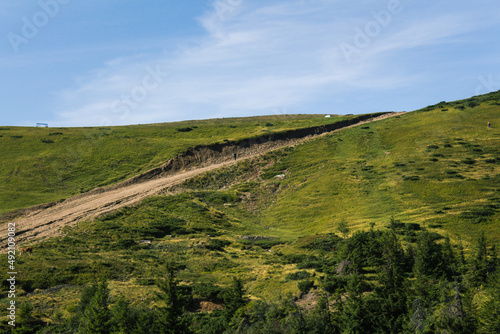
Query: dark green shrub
[
  {"x": 47, "y": 141},
  {"x": 26, "y": 285},
  {"x": 297, "y": 276},
  {"x": 76, "y": 268},
  {"x": 411, "y": 178},
  {"x": 294, "y": 258},
  {"x": 333, "y": 283},
  {"x": 125, "y": 243},
  {"x": 468, "y": 161},
  {"x": 187, "y": 129},
  {"x": 478, "y": 215},
  {"x": 313, "y": 263},
  {"x": 145, "y": 281},
  {"x": 412, "y": 227},
  {"x": 268, "y": 243},
  {"x": 217, "y": 244},
  {"x": 326, "y": 242},
  {"x": 208, "y": 291},
  {"x": 396, "y": 224},
  {"x": 305, "y": 286},
  {"x": 161, "y": 228}
]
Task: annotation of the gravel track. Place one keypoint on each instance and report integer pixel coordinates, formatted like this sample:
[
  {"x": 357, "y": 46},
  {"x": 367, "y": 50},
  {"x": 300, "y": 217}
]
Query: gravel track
[{"x": 45, "y": 223}]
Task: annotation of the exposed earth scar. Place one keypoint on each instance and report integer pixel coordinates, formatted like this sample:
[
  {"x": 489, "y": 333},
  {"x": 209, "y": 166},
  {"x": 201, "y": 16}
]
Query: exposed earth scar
[{"x": 45, "y": 222}]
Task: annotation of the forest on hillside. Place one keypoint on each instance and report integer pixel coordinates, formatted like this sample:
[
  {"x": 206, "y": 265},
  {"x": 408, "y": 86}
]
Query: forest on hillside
[{"x": 365, "y": 282}]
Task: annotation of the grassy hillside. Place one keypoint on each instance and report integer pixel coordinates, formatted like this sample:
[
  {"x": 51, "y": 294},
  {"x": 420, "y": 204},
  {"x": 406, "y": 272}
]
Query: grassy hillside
[
  {"x": 41, "y": 165},
  {"x": 281, "y": 222},
  {"x": 437, "y": 167}
]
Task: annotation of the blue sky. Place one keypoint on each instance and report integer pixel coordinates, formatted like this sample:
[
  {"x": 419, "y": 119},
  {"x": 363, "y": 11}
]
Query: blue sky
[{"x": 116, "y": 62}]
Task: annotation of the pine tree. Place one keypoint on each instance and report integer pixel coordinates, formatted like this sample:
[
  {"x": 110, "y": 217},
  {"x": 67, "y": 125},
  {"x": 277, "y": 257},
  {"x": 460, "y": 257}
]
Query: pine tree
[
  {"x": 351, "y": 315},
  {"x": 171, "y": 314},
  {"x": 452, "y": 318},
  {"x": 233, "y": 299},
  {"x": 480, "y": 265},
  {"x": 428, "y": 257},
  {"x": 96, "y": 315},
  {"x": 321, "y": 319},
  {"x": 418, "y": 322},
  {"x": 490, "y": 311},
  {"x": 450, "y": 265},
  {"x": 123, "y": 317},
  {"x": 461, "y": 263},
  {"x": 390, "y": 299},
  {"x": 343, "y": 228},
  {"x": 493, "y": 263},
  {"x": 26, "y": 322}
]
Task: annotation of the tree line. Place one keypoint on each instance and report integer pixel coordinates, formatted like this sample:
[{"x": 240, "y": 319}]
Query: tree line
[{"x": 369, "y": 282}]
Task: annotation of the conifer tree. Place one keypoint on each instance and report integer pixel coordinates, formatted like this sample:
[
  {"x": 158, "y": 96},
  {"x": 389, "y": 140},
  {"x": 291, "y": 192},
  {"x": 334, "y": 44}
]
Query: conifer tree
[
  {"x": 343, "y": 228},
  {"x": 390, "y": 300},
  {"x": 171, "y": 314},
  {"x": 461, "y": 263},
  {"x": 26, "y": 322},
  {"x": 123, "y": 317},
  {"x": 96, "y": 314},
  {"x": 480, "y": 264},
  {"x": 428, "y": 257},
  {"x": 233, "y": 299},
  {"x": 418, "y": 322},
  {"x": 490, "y": 311},
  {"x": 321, "y": 319},
  {"x": 453, "y": 317},
  {"x": 450, "y": 265}
]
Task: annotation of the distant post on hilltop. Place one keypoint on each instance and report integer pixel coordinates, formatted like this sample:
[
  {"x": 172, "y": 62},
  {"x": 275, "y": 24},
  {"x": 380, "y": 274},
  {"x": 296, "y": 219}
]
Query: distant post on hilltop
[{"x": 42, "y": 125}]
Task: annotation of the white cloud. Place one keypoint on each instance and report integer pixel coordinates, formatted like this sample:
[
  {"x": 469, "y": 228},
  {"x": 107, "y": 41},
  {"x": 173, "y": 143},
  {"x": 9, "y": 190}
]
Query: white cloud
[{"x": 257, "y": 60}]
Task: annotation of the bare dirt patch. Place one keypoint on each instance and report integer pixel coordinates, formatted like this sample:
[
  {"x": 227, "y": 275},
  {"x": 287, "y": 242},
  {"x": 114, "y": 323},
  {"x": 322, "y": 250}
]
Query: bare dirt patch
[{"x": 47, "y": 221}]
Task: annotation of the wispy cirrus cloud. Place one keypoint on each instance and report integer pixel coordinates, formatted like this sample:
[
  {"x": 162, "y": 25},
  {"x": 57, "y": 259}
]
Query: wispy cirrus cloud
[{"x": 263, "y": 58}]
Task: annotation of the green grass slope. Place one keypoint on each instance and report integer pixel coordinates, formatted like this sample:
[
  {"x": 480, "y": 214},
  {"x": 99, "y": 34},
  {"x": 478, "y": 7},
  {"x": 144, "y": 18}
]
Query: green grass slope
[
  {"x": 267, "y": 220},
  {"x": 438, "y": 167},
  {"x": 41, "y": 165}
]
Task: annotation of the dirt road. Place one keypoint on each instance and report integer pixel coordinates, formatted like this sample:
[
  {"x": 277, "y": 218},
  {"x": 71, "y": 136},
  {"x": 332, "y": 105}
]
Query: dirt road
[{"x": 46, "y": 223}]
